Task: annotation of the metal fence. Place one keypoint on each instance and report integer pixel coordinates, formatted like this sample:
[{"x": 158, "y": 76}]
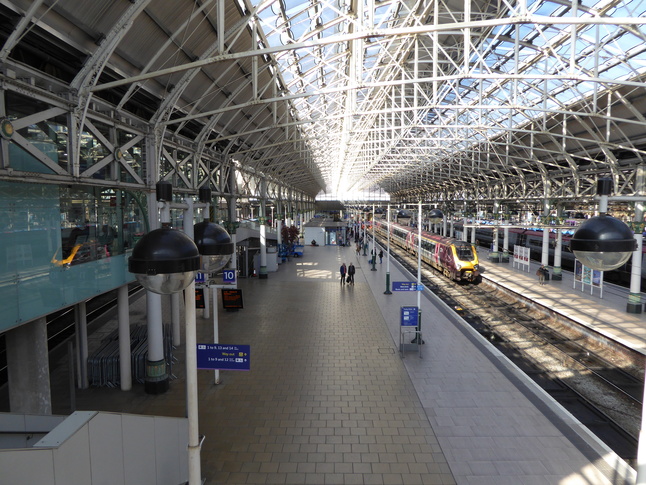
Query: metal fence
[{"x": 104, "y": 365}]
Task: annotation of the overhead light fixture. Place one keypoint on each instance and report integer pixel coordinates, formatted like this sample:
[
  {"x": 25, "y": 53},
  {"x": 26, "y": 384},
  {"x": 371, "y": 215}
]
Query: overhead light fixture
[
  {"x": 165, "y": 261},
  {"x": 214, "y": 244},
  {"x": 435, "y": 216},
  {"x": 603, "y": 242}
]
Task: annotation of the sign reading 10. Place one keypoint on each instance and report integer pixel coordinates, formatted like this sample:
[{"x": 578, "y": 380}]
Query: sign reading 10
[{"x": 229, "y": 275}]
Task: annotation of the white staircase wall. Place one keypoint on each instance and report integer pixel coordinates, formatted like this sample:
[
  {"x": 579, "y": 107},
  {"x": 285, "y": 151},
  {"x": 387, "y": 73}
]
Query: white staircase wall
[{"x": 97, "y": 448}]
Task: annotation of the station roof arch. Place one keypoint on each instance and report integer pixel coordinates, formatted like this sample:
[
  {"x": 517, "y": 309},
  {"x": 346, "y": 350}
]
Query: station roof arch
[{"x": 439, "y": 100}]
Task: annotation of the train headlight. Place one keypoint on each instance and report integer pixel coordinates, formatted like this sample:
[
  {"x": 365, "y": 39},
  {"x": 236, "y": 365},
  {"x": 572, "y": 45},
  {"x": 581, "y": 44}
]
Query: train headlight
[{"x": 603, "y": 243}]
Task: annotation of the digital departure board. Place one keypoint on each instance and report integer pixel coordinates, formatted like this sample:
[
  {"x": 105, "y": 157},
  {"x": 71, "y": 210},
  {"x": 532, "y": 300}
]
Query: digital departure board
[{"x": 231, "y": 299}]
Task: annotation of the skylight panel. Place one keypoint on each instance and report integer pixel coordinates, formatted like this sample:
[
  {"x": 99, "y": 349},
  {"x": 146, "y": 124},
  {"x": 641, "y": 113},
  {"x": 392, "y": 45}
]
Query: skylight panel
[
  {"x": 532, "y": 114},
  {"x": 287, "y": 75},
  {"x": 586, "y": 63},
  {"x": 268, "y": 16},
  {"x": 498, "y": 30},
  {"x": 635, "y": 8},
  {"x": 551, "y": 85},
  {"x": 564, "y": 96},
  {"x": 525, "y": 56},
  {"x": 526, "y": 30},
  {"x": 615, "y": 50},
  {"x": 307, "y": 63},
  {"x": 299, "y": 29},
  {"x": 533, "y": 95},
  {"x": 292, "y": 7},
  {"x": 586, "y": 88},
  {"x": 541, "y": 7},
  {"x": 639, "y": 10},
  {"x": 618, "y": 71},
  {"x": 383, "y": 14}
]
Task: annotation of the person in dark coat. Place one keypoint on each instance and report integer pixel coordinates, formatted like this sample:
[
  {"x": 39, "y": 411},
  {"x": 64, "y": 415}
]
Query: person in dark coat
[
  {"x": 351, "y": 272},
  {"x": 343, "y": 270},
  {"x": 540, "y": 272}
]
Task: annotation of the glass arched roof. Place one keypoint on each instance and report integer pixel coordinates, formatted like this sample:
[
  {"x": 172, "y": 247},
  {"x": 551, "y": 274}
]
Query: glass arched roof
[
  {"x": 435, "y": 99},
  {"x": 449, "y": 83}
]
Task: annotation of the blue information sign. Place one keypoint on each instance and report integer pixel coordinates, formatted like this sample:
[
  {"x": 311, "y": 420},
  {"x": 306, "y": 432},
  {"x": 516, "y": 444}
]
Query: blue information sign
[
  {"x": 229, "y": 276},
  {"x": 407, "y": 286},
  {"x": 223, "y": 357},
  {"x": 409, "y": 316}
]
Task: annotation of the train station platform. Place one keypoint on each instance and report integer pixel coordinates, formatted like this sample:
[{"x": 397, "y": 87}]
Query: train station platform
[
  {"x": 604, "y": 312},
  {"x": 330, "y": 400}
]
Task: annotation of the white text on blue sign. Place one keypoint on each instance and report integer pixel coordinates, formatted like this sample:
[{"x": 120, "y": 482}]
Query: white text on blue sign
[{"x": 223, "y": 357}]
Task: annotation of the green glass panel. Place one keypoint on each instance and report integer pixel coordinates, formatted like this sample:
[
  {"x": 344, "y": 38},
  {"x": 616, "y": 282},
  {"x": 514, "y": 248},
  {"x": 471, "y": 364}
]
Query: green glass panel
[
  {"x": 60, "y": 246},
  {"x": 20, "y": 159},
  {"x": 29, "y": 237}
]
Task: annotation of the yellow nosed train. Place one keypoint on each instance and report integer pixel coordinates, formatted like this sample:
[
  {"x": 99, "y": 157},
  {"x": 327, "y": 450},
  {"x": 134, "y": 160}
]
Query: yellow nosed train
[{"x": 456, "y": 259}]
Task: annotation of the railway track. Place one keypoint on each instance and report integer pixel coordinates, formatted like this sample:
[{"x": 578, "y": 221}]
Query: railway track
[
  {"x": 61, "y": 325},
  {"x": 601, "y": 388}
]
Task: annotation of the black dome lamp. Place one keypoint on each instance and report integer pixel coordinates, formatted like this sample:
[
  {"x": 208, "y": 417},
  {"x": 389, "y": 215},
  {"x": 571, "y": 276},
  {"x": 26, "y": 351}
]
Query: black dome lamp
[
  {"x": 603, "y": 242},
  {"x": 435, "y": 216},
  {"x": 214, "y": 244},
  {"x": 165, "y": 261}
]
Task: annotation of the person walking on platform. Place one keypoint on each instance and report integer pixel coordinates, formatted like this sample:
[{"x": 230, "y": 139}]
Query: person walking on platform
[
  {"x": 351, "y": 272},
  {"x": 381, "y": 255},
  {"x": 540, "y": 272},
  {"x": 343, "y": 271}
]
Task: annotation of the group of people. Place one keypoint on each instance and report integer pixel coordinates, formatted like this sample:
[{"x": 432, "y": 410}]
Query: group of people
[{"x": 347, "y": 274}]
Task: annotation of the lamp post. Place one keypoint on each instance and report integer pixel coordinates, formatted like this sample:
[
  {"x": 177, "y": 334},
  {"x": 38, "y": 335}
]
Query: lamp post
[
  {"x": 605, "y": 243},
  {"x": 216, "y": 247},
  {"x": 165, "y": 261},
  {"x": 374, "y": 242},
  {"x": 388, "y": 292},
  {"x": 365, "y": 230},
  {"x": 418, "y": 338}
]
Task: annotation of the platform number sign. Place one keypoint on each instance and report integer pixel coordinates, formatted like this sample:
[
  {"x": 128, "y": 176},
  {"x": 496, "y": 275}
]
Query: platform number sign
[{"x": 229, "y": 276}]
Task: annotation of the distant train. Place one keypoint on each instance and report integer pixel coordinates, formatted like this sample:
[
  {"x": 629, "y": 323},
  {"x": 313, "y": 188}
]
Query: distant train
[
  {"x": 533, "y": 239},
  {"x": 456, "y": 259}
]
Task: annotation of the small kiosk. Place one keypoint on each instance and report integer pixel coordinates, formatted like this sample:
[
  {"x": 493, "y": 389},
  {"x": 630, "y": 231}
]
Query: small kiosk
[{"x": 326, "y": 232}]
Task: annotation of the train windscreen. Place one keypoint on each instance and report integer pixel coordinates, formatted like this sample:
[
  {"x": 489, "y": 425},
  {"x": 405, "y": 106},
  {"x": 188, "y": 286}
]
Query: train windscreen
[{"x": 464, "y": 252}]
